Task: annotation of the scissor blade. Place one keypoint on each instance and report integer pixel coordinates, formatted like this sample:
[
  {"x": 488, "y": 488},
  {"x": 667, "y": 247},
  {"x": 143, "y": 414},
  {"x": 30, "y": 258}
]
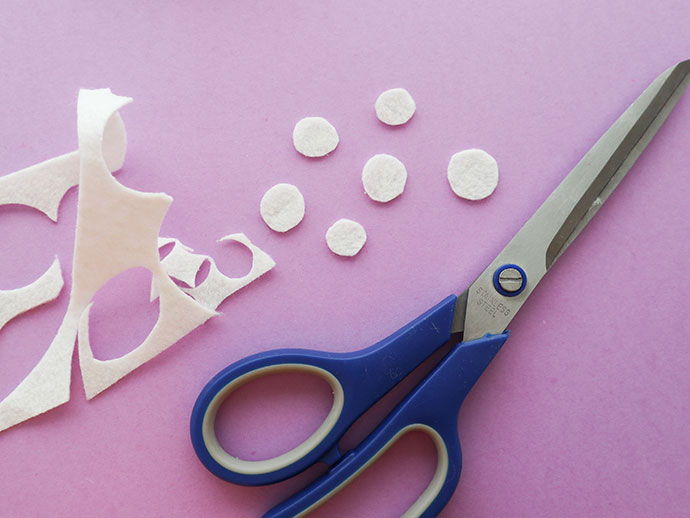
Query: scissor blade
[{"x": 560, "y": 219}]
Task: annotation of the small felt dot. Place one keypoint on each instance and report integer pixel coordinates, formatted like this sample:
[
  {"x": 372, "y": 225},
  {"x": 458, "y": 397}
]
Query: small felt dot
[
  {"x": 314, "y": 137},
  {"x": 346, "y": 237},
  {"x": 473, "y": 174},
  {"x": 395, "y": 107},
  {"x": 282, "y": 207},
  {"x": 384, "y": 177}
]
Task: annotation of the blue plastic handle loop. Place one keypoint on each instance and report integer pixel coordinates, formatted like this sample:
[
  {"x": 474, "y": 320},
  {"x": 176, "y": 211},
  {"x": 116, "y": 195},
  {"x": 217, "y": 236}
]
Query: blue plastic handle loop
[
  {"x": 358, "y": 380},
  {"x": 432, "y": 407}
]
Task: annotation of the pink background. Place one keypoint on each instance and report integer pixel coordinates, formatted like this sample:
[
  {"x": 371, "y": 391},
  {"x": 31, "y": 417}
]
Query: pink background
[{"x": 586, "y": 411}]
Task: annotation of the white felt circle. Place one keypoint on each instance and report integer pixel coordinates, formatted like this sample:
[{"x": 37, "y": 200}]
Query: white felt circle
[
  {"x": 384, "y": 177},
  {"x": 282, "y": 207},
  {"x": 395, "y": 107},
  {"x": 473, "y": 174},
  {"x": 314, "y": 137},
  {"x": 346, "y": 237}
]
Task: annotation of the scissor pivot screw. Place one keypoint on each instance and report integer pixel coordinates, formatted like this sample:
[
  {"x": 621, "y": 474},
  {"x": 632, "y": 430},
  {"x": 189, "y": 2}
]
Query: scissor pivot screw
[{"x": 510, "y": 280}]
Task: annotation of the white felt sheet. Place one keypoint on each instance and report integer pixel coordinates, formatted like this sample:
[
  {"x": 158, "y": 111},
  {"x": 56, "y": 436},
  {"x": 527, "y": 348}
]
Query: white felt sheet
[
  {"x": 117, "y": 229},
  {"x": 42, "y": 186},
  {"x": 217, "y": 286},
  {"x": 44, "y": 289},
  {"x": 181, "y": 264}
]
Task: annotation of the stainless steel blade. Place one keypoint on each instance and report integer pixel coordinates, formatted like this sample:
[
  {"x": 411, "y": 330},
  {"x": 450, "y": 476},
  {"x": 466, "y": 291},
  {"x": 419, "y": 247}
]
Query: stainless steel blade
[{"x": 540, "y": 242}]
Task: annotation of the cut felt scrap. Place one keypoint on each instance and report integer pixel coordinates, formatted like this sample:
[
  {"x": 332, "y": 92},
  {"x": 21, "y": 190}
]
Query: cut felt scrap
[
  {"x": 217, "y": 286},
  {"x": 384, "y": 178},
  {"x": 42, "y": 186},
  {"x": 181, "y": 264},
  {"x": 44, "y": 289},
  {"x": 162, "y": 241},
  {"x": 117, "y": 229},
  {"x": 346, "y": 237},
  {"x": 395, "y": 107},
  {"x": 473, "y": 174},
  {"x": 282, "y": 207},
  {"x": 314, "y": 137}
]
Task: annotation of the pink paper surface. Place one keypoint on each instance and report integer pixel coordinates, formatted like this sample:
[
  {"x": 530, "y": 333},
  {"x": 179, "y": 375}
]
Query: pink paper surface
[{"x": 585, "y": 412}]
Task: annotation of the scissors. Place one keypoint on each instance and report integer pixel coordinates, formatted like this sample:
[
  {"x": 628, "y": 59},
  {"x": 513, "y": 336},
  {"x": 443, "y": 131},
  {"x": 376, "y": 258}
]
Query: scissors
[{"x": 476, "y": 321}]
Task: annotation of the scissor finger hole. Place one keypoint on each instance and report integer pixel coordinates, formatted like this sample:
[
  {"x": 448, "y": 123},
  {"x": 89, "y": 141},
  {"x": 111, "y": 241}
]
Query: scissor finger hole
[
  {"x": 409, "y": 468},
  {"x": 378, "y": 464},
  {"x": 256, "y": 417},
  {"x": 257, "y": 420}
]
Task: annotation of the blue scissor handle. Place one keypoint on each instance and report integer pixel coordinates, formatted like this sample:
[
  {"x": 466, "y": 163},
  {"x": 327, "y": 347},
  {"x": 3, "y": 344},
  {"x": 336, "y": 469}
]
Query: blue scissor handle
[
  {"x": 432, "y": 407},
  {"x": 358, "y": 380}
]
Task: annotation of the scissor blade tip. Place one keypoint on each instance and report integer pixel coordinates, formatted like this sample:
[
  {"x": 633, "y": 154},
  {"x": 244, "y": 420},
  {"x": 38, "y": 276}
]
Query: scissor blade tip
[
  {"x": 685, "y": 65},
  {"x": 682, "y": 68}
]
